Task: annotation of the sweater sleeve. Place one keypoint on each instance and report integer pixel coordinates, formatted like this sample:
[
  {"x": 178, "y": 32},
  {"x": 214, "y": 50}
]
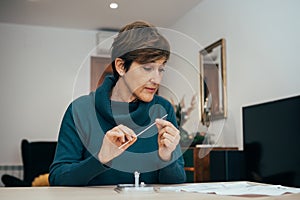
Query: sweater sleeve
[
  {"x": 174, "y": 172},
  {"x": 70, "y": 165}
]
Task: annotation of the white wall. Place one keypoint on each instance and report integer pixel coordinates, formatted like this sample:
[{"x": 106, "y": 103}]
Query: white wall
[
  {"x": 38, "y": 66},
  {"x": 262, "y": 50}
]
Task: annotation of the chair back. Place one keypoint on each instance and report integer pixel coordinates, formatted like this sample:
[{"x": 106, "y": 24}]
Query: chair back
[{"x": 37, "y": 158}]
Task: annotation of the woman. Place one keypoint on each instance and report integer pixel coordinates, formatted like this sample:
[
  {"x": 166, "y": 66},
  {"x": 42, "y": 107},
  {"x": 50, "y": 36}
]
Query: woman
[{"x": 123, "y": 126}]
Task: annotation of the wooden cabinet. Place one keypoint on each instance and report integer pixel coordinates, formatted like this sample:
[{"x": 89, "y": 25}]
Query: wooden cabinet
[{"x": 197, "y": 162}]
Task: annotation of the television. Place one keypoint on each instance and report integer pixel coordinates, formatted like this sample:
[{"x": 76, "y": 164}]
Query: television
[{"x": 271, "y": 132}]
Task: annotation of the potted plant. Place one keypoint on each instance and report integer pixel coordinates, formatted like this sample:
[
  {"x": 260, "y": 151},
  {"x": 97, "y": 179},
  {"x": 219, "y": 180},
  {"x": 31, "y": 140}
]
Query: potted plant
[{"x": 182, "y": 116}]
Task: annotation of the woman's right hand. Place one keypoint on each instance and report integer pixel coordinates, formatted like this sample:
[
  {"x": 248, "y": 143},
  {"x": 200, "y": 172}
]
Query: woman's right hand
[{"x": 112, "y": 140}]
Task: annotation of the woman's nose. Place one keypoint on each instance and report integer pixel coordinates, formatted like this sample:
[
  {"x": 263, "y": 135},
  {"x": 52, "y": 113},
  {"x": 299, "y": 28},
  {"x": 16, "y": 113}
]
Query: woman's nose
[{"x": 156, "y": 77}]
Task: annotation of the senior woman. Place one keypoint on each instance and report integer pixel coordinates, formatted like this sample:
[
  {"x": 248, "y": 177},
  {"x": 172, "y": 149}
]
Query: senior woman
[{"x": 123, "y": 126}]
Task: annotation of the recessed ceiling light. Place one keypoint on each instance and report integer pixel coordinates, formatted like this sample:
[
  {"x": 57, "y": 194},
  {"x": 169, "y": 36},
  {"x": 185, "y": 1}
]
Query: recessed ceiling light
[{"x": 113, "y": 5}]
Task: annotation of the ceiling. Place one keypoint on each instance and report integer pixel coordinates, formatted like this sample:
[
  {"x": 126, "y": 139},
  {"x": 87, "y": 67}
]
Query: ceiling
[{"x": 93, "y": 14}]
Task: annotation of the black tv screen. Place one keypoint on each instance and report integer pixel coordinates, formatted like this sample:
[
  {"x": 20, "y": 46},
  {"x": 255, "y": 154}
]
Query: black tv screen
[{"x": 271, "y": 134}]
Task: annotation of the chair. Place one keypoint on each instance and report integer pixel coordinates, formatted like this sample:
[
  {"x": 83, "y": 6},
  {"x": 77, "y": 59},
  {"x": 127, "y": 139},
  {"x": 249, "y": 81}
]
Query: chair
[{"x": 37, "y": 158}]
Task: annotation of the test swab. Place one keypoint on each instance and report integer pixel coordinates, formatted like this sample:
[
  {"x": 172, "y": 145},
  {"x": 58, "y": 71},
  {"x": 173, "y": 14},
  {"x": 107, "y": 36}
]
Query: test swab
[{"x": 140, "y": 133}]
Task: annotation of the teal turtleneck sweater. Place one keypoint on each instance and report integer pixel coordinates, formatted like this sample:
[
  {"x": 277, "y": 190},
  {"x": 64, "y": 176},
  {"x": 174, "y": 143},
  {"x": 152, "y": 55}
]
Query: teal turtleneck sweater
[{"x": 83, "y": 127}]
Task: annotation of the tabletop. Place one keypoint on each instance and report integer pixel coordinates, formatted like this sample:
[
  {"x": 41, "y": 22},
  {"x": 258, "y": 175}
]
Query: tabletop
[{"x": 109, "y": 192}]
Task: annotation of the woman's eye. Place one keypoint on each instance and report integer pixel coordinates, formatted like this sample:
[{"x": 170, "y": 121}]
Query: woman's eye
[
  {"x": 161, "y": 69},
  {"x": 148, "y": 69}
]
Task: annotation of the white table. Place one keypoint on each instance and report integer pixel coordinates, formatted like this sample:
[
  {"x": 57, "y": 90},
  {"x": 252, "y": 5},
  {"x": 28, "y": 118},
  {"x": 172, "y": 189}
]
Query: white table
[{"x": 108, "y": 193}]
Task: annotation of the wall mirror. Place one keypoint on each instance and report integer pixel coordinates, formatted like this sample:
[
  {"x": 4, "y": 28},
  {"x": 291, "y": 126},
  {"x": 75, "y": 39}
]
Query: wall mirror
[{"x": 213, "y": 82}]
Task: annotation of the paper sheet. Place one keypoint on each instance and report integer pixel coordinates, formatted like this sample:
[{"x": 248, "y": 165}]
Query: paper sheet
[{"x": 234, "y": 188}]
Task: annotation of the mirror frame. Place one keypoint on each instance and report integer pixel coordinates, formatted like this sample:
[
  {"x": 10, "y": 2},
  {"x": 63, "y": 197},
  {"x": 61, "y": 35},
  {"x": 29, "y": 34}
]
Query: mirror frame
[{"x": 213, "y": 106}]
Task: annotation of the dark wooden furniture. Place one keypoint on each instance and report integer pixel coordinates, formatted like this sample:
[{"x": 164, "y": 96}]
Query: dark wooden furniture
[{"x": 199, "y": 164}]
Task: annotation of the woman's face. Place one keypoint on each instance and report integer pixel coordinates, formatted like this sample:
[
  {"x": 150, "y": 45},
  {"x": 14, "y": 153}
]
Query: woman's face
[{"x": 142, "y": 80}]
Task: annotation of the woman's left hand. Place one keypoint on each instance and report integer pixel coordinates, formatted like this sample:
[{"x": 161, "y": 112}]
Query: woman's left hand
[{"x": 168, "y": 138}]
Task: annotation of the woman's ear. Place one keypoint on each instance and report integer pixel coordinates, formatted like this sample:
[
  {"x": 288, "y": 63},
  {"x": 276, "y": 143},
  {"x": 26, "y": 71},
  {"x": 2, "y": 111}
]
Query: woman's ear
[{"x": 119, "y": 63}]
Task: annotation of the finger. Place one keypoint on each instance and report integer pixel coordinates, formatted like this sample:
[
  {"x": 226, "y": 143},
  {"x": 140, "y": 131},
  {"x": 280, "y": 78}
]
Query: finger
[
  {"x": 127, "y": 144},
  {"x": 130, "y": 142},
  {"x": 166, "y": 142},
  {"x": 129, "y": 133},
  {"x": 115, "y": 135},
  {"x": 160, "y": 123},
  {"x": 168, "y": 137},
  {"x": 121, "y": 129},
  {"x": 124, "y": 129},
  {"x": 163, "y": 123},
  {"x": 170, "y": 130},
  {"x": 172, "y": 138}
]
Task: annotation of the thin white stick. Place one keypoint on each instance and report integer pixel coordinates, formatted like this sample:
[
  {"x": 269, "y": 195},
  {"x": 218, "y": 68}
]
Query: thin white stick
[{"x": 140, "y": 133}]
